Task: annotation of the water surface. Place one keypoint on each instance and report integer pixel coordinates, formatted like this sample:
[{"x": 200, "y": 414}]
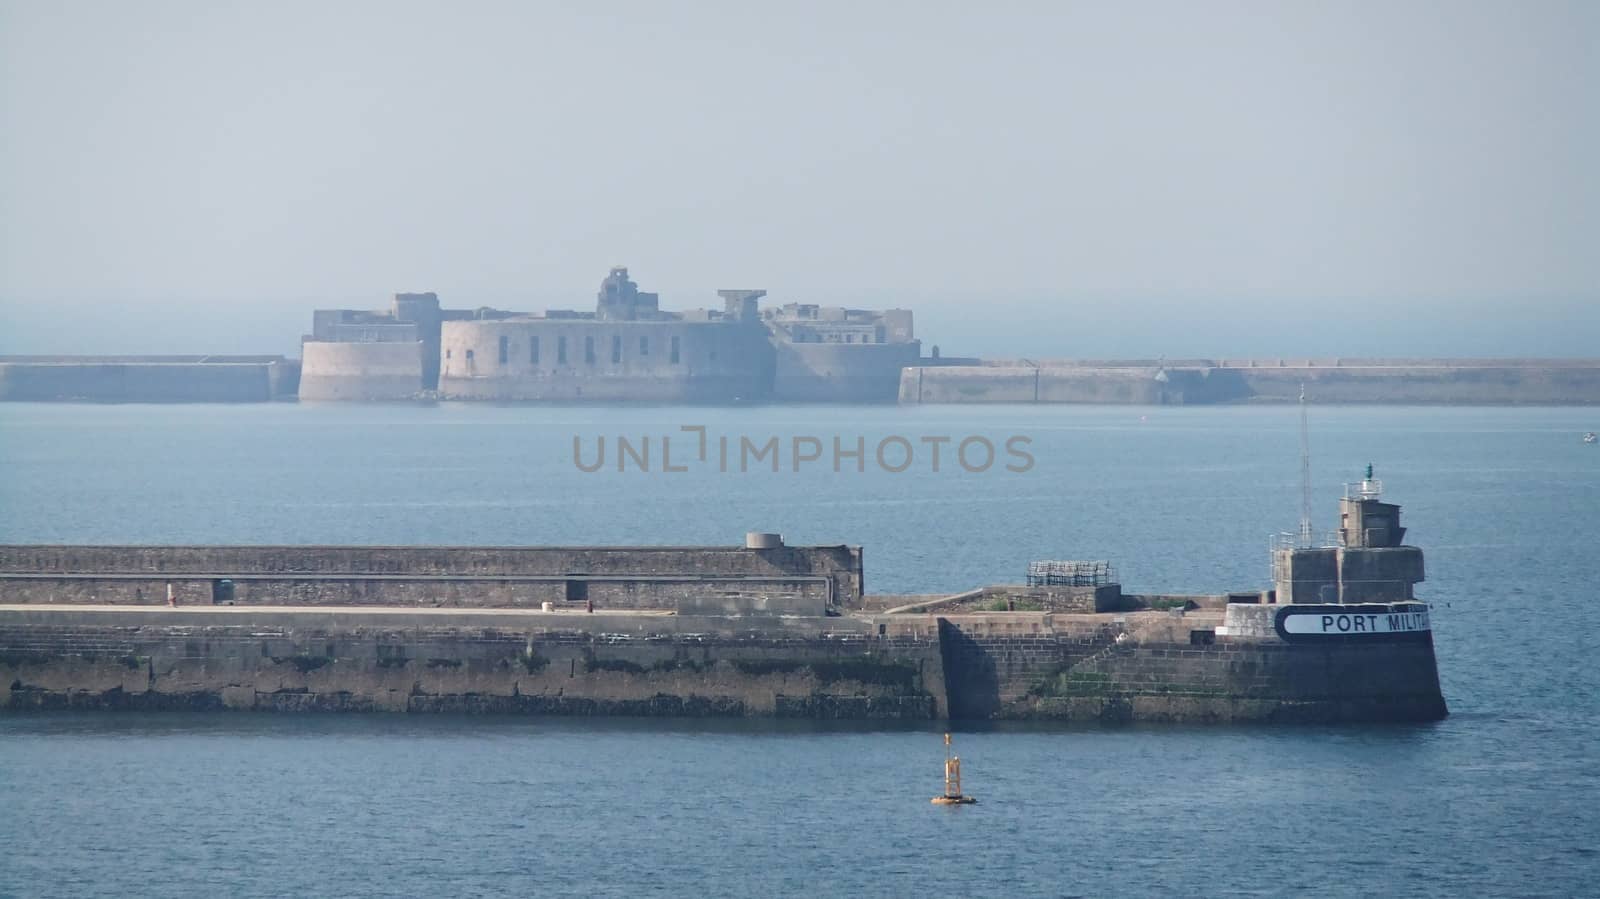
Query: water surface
[{"x": 1498, "y": 799}]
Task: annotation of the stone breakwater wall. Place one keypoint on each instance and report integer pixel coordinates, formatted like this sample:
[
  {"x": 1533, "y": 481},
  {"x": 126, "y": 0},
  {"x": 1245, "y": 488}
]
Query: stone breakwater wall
[
  {"x": 1189, "y": 382},
  {"x": 1174, "y": 667},
  {"x": 1142, "y": 666},
  {"x": 804, "y": 577},
  {"x": 462, "y": 662},
  {"x": 149, "y": 379}
]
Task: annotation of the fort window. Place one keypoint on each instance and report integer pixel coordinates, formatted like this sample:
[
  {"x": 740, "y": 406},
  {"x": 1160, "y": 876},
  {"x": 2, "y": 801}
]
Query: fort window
[
  {"x": 505, "y": 350},
  {"x": 561, "y": 350},
  {"x": 588, "y": 350},
  {"x": 221, "y": 592},
  {"x": 533, "y": 350},
  {"x": 577, "y": 591},
  {"x": 674, "y": 351},
  {"x": 616, "y": 350},
  {"x": 644, "y": 346},
  {"x": 447, "y": 354},
  {"x": 469, "y": 357}
]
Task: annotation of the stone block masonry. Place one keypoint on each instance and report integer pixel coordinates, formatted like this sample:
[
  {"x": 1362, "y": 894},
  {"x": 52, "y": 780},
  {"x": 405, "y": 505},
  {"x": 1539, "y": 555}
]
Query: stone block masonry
[
  {"x": 1144, "y": 666},
  {"x": 475, "y": 662},
  {"x": 1173, "y": 666},
  {"x": 763, "y": 630},
  {"x": 801, "y": 577}
]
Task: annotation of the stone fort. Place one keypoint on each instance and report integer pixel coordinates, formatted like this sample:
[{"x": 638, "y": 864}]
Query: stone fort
[{"x": 627, "y": 349}]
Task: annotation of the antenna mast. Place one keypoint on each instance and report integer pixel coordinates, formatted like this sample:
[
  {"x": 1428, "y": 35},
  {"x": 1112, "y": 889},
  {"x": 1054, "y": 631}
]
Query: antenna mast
[{"x": 1305, "y": 474}]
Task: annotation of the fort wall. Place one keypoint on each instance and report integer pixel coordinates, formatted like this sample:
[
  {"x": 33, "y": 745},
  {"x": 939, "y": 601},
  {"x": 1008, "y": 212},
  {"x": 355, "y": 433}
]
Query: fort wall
[
  {"x": 605, "y": 361},
  {"x": 841, "y": 373},
  {"x": 360, "y": 371}
]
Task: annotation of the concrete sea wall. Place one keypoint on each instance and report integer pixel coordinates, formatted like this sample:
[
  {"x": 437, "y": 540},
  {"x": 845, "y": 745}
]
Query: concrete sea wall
[
  {"x": 522, "y": 663},
  {"x": 1173, "y": 667},
  {"x": 1180, "y": 382},
  {"x": 760, "y": 630},
  {"x": 148, "y": 379},
  {"x": 1146, "y": 666}
]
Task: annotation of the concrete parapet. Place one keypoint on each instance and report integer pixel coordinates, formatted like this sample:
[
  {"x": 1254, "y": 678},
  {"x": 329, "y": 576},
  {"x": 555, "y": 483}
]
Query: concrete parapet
[{"x": 614, "y": 577}]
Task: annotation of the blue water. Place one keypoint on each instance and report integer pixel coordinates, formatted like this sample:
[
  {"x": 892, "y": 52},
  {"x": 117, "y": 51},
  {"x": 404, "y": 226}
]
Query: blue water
[{"x": 1500, "y": 799}]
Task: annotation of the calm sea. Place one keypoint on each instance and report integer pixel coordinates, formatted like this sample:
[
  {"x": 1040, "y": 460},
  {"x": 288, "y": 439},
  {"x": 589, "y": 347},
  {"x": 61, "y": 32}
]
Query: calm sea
[{"x": 1502, "y": 798}]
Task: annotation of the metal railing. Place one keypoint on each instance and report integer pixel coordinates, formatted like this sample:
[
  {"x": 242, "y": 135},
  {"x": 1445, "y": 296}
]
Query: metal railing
[
  {"x": 1055, "y": 573},
  {"x": 1325, "y": 540},
  {"x": 1371, "y": 488}
]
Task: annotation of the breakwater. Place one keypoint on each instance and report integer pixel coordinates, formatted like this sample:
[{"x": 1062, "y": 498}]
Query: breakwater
[
  {"x": 1207, "y": 381},
  {"x": 764, "y": 629},
  {"x": 149, "y": 379},
  {"x": 805, "y": 373},
  {"x": 1144, "y": 666}
]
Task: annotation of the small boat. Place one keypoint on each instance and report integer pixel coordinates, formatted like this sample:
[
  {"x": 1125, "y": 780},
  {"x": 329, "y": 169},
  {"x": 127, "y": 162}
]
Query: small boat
[{"x": 1590, "y": 437}]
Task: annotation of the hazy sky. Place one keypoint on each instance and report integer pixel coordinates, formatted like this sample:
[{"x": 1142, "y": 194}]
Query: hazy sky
[{"x": 1070, "y": 179}]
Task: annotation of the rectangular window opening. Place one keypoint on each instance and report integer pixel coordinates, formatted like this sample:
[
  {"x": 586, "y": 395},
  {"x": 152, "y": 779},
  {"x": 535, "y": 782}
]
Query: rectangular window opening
[
  {"x": 616, "y": 350},
  {"x": 533, "y": 350},
  {"x": 561, "y": 350},
  {"x": 588, "y": 350},
  {"x": 505, "y": 349},
  {"x": 673, "y": 354}
]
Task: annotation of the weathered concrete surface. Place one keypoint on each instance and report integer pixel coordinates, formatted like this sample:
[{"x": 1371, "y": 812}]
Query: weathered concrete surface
[
  {"x": 1172, "y": 666},
  {"x": 148, "y": 379},
  {"x": 1203, "y": 381},
  {"x": 1141, "y": 666},
  {"x": 498, "y": 661}
]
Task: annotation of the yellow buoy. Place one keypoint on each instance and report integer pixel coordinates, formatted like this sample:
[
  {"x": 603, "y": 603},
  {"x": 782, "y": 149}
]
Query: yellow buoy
[{"x": 952, "y": 780}]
